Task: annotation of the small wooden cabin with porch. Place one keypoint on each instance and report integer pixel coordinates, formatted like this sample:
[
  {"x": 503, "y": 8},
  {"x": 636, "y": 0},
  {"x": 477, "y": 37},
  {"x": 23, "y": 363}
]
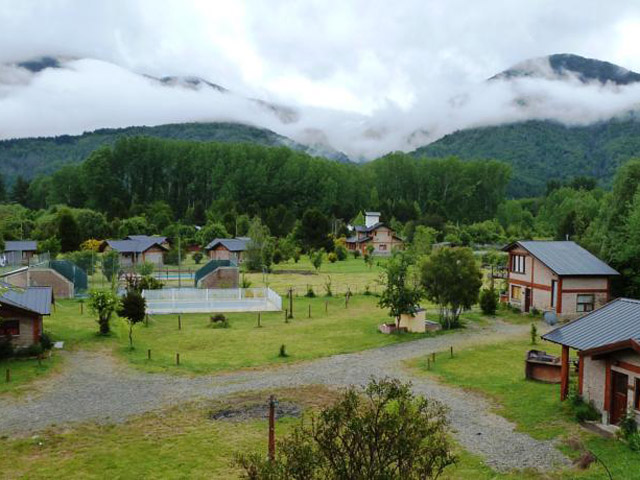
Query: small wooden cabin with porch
[
  {"x": 607, "y": 342},
  {"x": 558, "y": 276},
  {"x": 21, "y": 312}
]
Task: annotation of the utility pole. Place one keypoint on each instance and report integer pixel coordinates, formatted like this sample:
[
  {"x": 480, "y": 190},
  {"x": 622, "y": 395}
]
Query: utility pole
[{"x": 179, "y": 261}]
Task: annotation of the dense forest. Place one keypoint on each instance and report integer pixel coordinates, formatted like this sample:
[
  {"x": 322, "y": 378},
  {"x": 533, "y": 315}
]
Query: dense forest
[
  {"x": 296, "y": 202},
  {"x": 29, "y": 157},
  {"x": 542, "y": 150}
]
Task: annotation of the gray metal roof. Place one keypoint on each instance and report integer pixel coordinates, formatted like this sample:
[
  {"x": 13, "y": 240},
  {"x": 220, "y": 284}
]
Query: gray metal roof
[
  {"x": 140, "y": 245},
  {"x": 20, "y": 246},
  {"x": 34, "y": 299},
  {"x": 362, "y": 228},
  {"x": 146, "y": 238},
  {"x": 232, "y": 244},
  {"x": 565, "y": 258},
  {"x": 617, "y": 321}
]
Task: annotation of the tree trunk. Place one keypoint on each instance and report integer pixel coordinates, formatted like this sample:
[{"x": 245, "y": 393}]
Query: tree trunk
[
  {"x": 131, "y": 336},
  {"x": 104, "y": 326}
]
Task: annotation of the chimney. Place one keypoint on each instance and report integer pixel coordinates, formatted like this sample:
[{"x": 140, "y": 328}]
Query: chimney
[{"x": 371, "y": 218}]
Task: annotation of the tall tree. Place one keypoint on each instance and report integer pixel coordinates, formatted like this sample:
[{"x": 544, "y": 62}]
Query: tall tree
[
  {"x": 68, "y": 231},
  {"x": 313, "y": 231},
  {"x": 399, "y": 295},
  {"x": 132, "y": 309},
  {"x": 20, "y": 191},
  {"x": 451, "y": 279}
]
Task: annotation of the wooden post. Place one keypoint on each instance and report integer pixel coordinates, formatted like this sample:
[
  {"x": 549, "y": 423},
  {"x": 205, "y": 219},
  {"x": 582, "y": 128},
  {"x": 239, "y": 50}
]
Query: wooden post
[
  {"x": 451, "y": 351},
  {"x": 428, "y": 363},
  {"x": 309, "y": 310},
  {"x": 149, "y": 354},
  {"x": 40, "y": 360},
  {"x": 259, "y": 320},
  {"x": 326, "y": 307},
  {"x": 433, "y": 357},
  {"x": 177, "y": 359},
  {"x": 286, "y": 316},
  {"x": 290, "y": 302},
  {"x": 564, "y": 374},
  {"x": 580, "y": 373},
  {"x": 8, "y": 375},
  {"x": 179, "y": 323},
  {"x": 81, "y": 308},
  {"x": 272, "y": 428},
  {"x": 146, "y": 320}
]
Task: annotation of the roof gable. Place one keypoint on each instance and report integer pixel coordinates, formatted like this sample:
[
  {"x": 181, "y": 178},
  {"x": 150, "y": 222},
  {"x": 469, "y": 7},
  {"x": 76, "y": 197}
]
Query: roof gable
[
  {"x": 232, "y": 244},
  {"x": 20, "y": 246},
  {"x": 565, "y": 257},
  {"x": 617, "y": 321}
]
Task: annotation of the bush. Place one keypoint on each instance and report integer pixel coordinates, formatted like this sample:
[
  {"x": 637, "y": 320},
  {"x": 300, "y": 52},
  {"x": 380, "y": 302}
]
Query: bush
[
  {"x": 145, "y": 268},
  {"x": 197, "y": 257},
  {"x": 30, "y": 351},
  {"x": 356, "y": 253},
  {"x": 341, "y": 253},
  {"x": 219, "y": 321},
  {"x": 245, "y": 282},
  {"x": 327, "y": 287},
  {"x": 6, "y": 348},
  {"x": 332, "y": 257},
  {"x": 534, "y": 334},
  {"x": 283, "y": 351},
  {"x": 633, "y": 441},
  {"x": 489, "y": 301},
  {"x": 277, "y": 256},
  {"x": 582, "y": 410},
  {"x": 628, "y": 425},
  {"x": 46, "y": 342},
  {"x": 367, "y": 290},
  {"x": 310, "y": 293}
]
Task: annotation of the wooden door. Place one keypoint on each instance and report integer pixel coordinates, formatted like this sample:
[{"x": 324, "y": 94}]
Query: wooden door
[
  {"x": 527, "y": 299},
  {"x": 619, "y": 382}
]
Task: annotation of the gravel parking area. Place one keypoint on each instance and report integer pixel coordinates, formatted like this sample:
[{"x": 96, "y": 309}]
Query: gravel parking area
[{"x": 96, "y": 387}]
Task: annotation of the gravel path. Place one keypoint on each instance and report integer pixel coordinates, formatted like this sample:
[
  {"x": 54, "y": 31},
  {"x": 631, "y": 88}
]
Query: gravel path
[{"x": 95, "y": 387}]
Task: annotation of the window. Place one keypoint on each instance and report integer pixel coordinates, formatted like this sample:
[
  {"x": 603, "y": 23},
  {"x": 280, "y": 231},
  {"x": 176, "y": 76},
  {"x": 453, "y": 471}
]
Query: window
[
  {"x": 517, "y": 263},
  {"x": 9, "y": 327},
  {"x": 584, "y": 303},
  {"x": 382, "y": 246},
  {"x": 516, "y": 293},
  {"x": 636, "y": 399}
]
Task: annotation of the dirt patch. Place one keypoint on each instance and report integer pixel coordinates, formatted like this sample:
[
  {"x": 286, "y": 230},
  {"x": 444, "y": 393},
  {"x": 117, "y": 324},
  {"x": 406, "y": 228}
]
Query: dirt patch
[{"x": 256, "y": 411}]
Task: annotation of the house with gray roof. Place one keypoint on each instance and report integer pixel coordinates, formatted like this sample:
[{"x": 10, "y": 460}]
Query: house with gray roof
[
  {"x": 376, "y": 234},
  {"x": 137, "y": 249},
  {"x": 21, "y": 313},
  {"x": 19, "y": 251},
  {"x": 227, "y": 249},
  {"x": 607, "y": 342},
  {"x": 558, "y": 276}
]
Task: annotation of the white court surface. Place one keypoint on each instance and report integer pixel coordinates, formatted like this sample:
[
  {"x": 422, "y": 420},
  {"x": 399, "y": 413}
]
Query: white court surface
[{"x": 201, "y": 300}]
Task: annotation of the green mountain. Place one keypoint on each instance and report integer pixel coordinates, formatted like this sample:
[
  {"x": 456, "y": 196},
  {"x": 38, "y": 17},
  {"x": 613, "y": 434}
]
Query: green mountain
[
  {"x": 539, "y": 151},
  {"x": 31, "y": 157}
]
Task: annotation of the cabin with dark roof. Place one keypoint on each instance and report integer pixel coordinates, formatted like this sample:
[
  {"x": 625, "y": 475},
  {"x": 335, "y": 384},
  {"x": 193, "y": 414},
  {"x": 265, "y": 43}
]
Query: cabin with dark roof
[
  {"x": 558, "y": 276},
  {"x": 21, "y": 312},
  {"x": 607, "y": 341},
  {"x": 382, "y": 238},
  {"x": 227, "y": 249},
  {"x": 19, "y": 251},
  {"x": 137, "y": 249}
]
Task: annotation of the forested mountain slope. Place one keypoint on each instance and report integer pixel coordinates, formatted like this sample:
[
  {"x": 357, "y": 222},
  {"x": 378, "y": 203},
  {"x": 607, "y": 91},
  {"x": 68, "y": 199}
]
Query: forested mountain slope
[
  {"x": 539, "y": 151},
  {"x": 30, "y": 157}
]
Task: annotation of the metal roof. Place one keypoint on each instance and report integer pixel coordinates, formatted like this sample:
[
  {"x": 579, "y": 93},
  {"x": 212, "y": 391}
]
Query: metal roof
[
  {"x": 565, "y": 257},
  {"x": 135, "y": 246},
  {"x": 33, "y": 299},
  {"x": 154, "y": 238},
  {"x": 617, "y": 321},
  {"x": 20, "y": 246},
  {"x": 362, "y": 228},
  {"x": 232, "y": 244},
  {"x": 355, "y": 239}
]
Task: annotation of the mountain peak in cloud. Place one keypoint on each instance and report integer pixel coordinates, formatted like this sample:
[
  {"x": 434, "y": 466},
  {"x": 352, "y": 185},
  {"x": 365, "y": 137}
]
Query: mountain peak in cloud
[{"x": 565, "y": 65}]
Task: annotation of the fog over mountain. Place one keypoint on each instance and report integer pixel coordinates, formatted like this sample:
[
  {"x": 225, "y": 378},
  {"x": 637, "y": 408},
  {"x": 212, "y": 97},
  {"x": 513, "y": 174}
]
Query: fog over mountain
[{"x": 362, "y": 77}]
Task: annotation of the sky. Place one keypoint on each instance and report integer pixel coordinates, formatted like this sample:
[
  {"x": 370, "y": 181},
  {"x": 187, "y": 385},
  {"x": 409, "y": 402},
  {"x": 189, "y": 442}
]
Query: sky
[{"x": 364, "y": 75}]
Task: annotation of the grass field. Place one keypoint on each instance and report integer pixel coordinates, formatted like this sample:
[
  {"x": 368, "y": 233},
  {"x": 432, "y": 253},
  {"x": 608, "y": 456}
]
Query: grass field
[
  {"x": 23, "y": 372},
  {"x": 534, "y": 407}
]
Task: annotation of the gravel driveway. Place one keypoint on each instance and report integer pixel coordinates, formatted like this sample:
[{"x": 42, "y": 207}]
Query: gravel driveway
[{"x": 95, "y": 387}]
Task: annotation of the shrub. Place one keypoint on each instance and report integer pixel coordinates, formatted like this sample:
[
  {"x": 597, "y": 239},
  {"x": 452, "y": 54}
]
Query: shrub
[
  {"x": 197, "y": 257},
  {"x": 327, "y": 287},
  {"x": 582, "y": 410},
  {"x": 6, "y": 348},
  {"x": 219, "y": 321},
  {"x": 245, "y": 282},
  {"x": 145, "y": 268},
  {"x": 633, "y": 441},
  {"x": 277, "y": 256},
  {"x": 283, "y": 351},
  {"x": 534, "y": 334},
  {"x": 367, "y": 290},
  {"x": 310, "y": 293},
  {"x": 332, "y": 257},
  {"x": 488, "y": 301},
  {"x": 296, "y": 255},
  {"x": 46, "y": 342},
  {"x": 341, "y": 253},
  {"x": 356, "y": 253},
  {"x": 628, "y": 425},
  {"x": 535, "y": 312}
]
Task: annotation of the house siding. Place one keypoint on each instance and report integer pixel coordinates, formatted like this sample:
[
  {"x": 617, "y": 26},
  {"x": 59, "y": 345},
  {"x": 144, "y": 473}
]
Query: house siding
[{"x": 595, "y": 384}]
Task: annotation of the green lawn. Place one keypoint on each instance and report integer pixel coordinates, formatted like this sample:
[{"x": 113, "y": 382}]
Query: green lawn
[
  {"x": 25, "y": 371},
  {"x": 205, "y": 349},
  {"x": 180, "y": 443},
  {"x": 534, "y": 407}
]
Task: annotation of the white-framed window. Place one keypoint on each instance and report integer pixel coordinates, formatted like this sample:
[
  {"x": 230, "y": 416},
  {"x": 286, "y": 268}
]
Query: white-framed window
[
  {"x": 517, "y": 263},
  {"x": 585, "y": 302}
]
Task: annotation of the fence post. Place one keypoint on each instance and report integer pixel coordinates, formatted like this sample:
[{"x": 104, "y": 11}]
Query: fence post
[
  {"x": 179, "y": 323},
  {"x": 272, "y": 428},
  {"x": 290, "y": 302},
  {"x": 326, "y": 307},
  {"x": 149, "y": 354},
  {"x": 8, "y": 375},
  {"x": 81, "y": 308},
  {"x": 259, "y": 320},
  {"x": 309, "y": 310},
  {"x": 451, "y": 351},
  {"x": 177, "y": 359},
  {"x": 286, "y": 316},
  {"x": 433, "y": 357}
]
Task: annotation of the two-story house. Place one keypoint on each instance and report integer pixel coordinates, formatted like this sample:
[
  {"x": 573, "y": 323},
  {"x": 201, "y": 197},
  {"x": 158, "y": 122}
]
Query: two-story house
[
  {"x": 375, "y": 233},
  {"x": 558, "y": 276}
]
